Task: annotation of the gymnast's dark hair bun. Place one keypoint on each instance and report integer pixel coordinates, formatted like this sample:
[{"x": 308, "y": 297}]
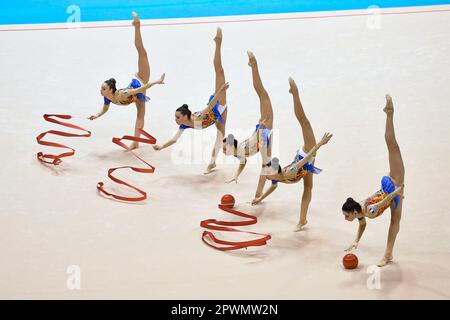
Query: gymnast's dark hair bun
[
  {"x": 275, "y": 164},
  {"x": 184, "y": 110},
  {"x": 111, "y": 82},
  {"x": 351, "y": 205},
  {"x": 230, "y": 140}
]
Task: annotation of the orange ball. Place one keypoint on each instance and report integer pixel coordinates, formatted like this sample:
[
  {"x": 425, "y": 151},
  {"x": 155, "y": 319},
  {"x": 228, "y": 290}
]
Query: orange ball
[
  {"x": 350, "y": 261},
  {"x": 227, "y": 201}
]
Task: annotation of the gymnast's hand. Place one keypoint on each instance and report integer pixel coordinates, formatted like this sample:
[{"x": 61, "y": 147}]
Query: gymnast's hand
[
  {"x": 224, "y": 87},
  {"x": 326, "y": 137},
  {"x": 161, "y": 80},
  {"x": 157, "y": 147},
  {"x": 92, "y": 117},
  {"x": 353, "y": 246},
  {"x": 256, "y": 201}
]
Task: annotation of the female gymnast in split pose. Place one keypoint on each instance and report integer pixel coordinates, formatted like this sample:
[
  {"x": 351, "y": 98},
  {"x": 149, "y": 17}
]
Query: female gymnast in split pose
[
  {"x": 259, "y": 141},
  {"x": 135, "y": 92},
  {"x": 302, "y": 165},
  {"x": 214, "y": 113},
  {"x": 390, "y": 194}
]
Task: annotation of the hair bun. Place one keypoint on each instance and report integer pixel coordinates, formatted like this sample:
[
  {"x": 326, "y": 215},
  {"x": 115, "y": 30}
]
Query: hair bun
[
  {"x": 112, "y": 80},
  {"x": 350, "y": 200},
  {"x": 275, "y": 162},
  {"x": 230, "y": 139},
  {"x": 185, "y": 106}
]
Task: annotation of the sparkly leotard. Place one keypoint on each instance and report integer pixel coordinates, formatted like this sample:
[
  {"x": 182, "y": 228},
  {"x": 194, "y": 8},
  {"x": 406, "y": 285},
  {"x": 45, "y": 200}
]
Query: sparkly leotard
[
  {"x": 259, "y": 139},
  {"x": 124, "y": 97},
  {"x": 204, "y": 119},
  {"x": 294, "y": 174},
  {"x": 387, "y": 187}
]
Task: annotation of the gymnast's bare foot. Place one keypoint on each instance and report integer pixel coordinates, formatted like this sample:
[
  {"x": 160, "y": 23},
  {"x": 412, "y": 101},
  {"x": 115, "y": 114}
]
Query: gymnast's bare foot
[
  {"x": 218, "y": 37},
  {"x": 136, "y": 22},
  {"x": 293, "y": 86},
  {"x": 389, "y": 108},
  {"x": 385, "y": 260},
  {"x": 210, "y": 168},
  {"x": 300, "y": 225},
  {"x": 251, "y": 59},
  {"x": 133, "y": 146}
]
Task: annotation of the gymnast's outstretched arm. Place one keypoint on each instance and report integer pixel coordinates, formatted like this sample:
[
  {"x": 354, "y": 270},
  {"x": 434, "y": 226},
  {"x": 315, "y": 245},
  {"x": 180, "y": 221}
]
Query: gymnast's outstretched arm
[
  {"x": 214, "y": 100},
  {"x": 326, "y": 137},
  {"x": 238, "y": 172},
  {"x": 147, "y": 86},
  {"x": 170, "y": 142},
  {"x": 99, "y": 114},
  {"x": 361, "y": 228},
  {"x": 376, "y": 206},
  {"x": 266, "y": 194}
]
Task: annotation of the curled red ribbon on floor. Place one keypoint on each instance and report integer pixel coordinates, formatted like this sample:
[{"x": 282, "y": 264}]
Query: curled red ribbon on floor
[
  {"x": 209, "y": 238},
  {"x": 148, "y": 139},
  {"x": 56, "y": 158}
]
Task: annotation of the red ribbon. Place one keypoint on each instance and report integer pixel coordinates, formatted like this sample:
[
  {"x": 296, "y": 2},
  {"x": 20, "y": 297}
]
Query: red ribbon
[
  {"x": 56, "y": 159},
  {"x": 213, "y": 224},
  {"x": 148, "y": 139}
]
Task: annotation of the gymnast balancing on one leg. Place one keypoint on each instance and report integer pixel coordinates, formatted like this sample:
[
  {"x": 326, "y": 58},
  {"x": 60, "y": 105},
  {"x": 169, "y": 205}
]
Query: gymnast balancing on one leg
[
  {"x": 390, "y": 194},
  {"x": 260, "y": 139},
  {"x": 215, "y": 112},
  {"x": 301, "y": 167},
  {"x": 135, "y": 92}
]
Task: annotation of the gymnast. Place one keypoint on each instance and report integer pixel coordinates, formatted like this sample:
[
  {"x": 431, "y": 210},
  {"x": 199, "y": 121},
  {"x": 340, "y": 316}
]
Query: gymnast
[
  {"x": 302, "y": 167},
  {"x": 390, "y": 194},
  {"x": 259, "y": 141},
  {"x": 214, "y": 113},
  {"x": 135, "y": 92}
]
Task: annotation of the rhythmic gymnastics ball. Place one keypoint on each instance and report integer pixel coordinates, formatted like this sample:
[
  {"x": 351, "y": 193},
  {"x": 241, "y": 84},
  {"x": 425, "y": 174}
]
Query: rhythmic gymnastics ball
[
  {"x": 227, "y": 201},
  {"x": 350, "y": 261}
]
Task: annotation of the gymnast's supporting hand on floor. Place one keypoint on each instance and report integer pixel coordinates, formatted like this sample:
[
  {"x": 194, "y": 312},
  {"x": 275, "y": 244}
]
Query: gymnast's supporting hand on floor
[
  {"x": 214, "y": 113},
  {"x": 390, "y": 194},
  {"x": 135, "y": 92},
  {"x": 260, "y": 140},
  {"x": 302, "y": 167}
]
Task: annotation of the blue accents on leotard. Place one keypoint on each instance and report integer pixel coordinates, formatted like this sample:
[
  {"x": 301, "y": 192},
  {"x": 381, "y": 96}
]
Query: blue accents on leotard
[
  {"x": 307, "y": 166},
  {"x": 388, "y": 186},
  {"x": 265, "y": 134},
  {"x": 135, "y": 83},
  {"x": 312, "y": 168},
  {"x": 216, "y": 111}
]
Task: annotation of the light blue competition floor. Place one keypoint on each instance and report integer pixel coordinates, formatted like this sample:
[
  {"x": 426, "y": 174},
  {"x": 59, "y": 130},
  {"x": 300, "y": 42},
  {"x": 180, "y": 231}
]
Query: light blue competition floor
[{"x": 46, "y": 11}]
